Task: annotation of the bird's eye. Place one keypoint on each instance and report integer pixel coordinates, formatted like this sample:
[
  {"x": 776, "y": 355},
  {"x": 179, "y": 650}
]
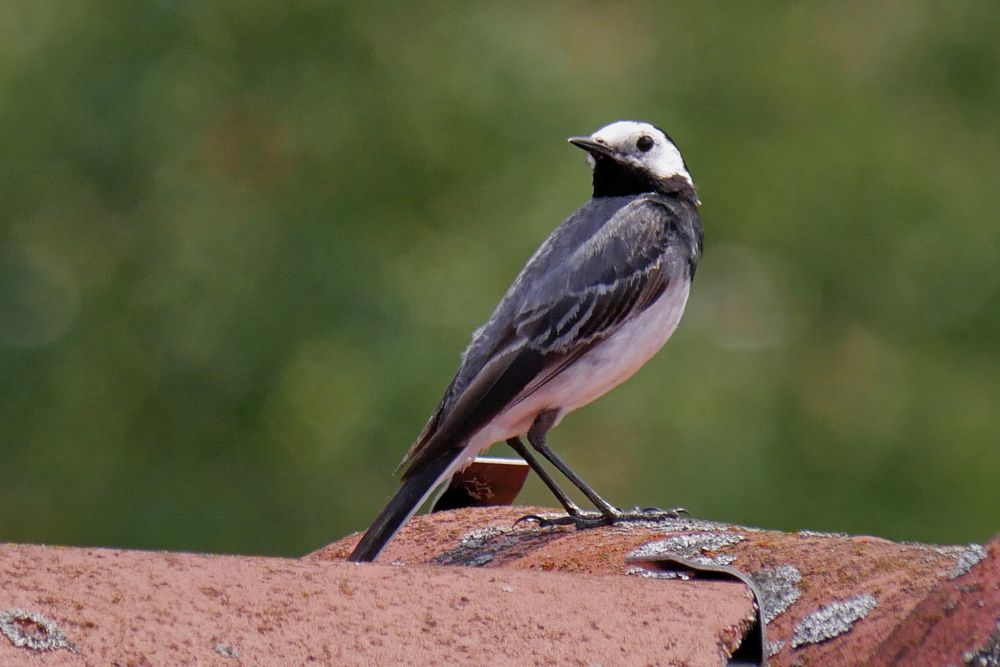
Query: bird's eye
[{"x": 645, "y": 143}]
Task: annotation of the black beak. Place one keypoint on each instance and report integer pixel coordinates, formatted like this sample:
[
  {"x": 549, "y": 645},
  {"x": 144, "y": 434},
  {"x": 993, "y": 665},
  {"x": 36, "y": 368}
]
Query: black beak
[{"x": 594, "y": 148}]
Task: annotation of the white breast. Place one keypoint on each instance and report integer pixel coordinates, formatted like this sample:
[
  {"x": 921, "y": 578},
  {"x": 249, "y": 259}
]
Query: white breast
[{"x": 604, "y": 367}]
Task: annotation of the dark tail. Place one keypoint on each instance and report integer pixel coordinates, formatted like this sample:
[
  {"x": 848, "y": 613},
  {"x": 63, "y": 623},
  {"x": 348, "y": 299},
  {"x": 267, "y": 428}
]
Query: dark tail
[{"x": 417, "y": 485}]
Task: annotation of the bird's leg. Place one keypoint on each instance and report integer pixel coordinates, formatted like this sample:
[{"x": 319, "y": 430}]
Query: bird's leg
[
  {"x": 536, "y": 436},
  {"x": 572, "y": 509},
  {"x": 608, "y": 513}
]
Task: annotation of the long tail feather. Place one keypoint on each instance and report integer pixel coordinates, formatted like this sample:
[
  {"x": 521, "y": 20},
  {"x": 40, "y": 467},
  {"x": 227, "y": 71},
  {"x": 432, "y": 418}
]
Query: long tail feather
[{"x": 416, "y": 486}]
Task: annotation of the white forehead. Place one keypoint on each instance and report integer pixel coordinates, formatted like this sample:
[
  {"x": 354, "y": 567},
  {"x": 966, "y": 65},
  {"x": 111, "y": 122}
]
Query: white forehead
[
  {"x": 663, "y": 161},
  {"x": 625, "y": 130}
]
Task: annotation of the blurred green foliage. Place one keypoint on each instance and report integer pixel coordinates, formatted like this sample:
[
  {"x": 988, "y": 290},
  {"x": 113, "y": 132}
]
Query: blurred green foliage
[{"x": 243, "y": 245}]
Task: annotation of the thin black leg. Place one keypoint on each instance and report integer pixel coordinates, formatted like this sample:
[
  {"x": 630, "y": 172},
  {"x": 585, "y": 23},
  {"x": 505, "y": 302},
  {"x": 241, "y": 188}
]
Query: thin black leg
[
  {"x": 607, "y": 514},
  {"x": 571, "y": 508},
  {"x": 536, "y": 436}
]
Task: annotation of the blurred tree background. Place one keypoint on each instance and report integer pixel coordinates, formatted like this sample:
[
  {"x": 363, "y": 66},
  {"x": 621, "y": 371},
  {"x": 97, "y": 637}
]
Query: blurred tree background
[{"x": 243, "y": 245}]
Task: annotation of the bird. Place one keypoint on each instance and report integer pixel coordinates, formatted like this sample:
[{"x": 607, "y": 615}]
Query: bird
[{"x": 601, "y": 295}]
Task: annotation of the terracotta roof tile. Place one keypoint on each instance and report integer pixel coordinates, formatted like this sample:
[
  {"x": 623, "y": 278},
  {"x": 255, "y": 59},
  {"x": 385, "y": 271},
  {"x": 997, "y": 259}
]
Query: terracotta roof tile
[
  {"x": 833, "y": 599},
  {"x": 514, "y": 594}
]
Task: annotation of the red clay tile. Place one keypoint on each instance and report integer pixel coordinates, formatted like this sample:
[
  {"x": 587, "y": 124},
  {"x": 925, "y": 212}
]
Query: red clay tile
[
  {"x": 524, "y": 595},
  {"x": 139, "y": 608},
  {"x": 956, "y": 624},
  {"x": 839, "y": 577}
]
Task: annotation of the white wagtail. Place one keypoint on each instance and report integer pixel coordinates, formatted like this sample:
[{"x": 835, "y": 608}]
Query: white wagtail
[{"x": 600, "y": 297}]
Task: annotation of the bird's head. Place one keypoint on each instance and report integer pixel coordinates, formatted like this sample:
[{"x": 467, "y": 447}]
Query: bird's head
[{"x": 629, "y": 157}]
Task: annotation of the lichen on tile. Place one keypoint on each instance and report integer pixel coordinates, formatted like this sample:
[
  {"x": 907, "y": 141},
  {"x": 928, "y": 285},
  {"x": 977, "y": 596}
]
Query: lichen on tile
[
  {"x": 481, "y": 546},
  {"x": 695, "y": 547},
  {"x": 821, "y": 533},
  {"x": 670, "y": 525},
  {"x": 33, "y": 631},
  {"x": 966, "y": 559},
  {"x": 655, "y": 574},
  {"x": 832, "y": 619},
  {"x": 777, "y": 586},
  {"x": 988, "y": 655}
]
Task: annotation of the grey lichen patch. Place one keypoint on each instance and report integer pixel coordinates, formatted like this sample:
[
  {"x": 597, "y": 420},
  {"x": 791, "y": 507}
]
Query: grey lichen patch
[
  {"x": 226, "y": 650},
  {"x": 670, "y": 525},
  {"x": 479, "y": 560},
  {"x": 481, "y": 546},
  {"x": 967, "y": 558},
  {"x": 477, "y": 539},
  {"x": 832, "y": 620},
  {"x": 819, "y": 533},
  {"x": 773, "y": 648},
  {"x": 988, "y": 655},
  {"x": 30, "y": 630},
  {"x": 655, "y": 574},
  {"x": 777, "y": 585},
  {"x": 695, "y": 547}
]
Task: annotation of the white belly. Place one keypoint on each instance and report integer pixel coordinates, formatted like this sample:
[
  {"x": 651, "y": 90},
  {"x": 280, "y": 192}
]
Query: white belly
[{"x": 604, "y": 367}]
